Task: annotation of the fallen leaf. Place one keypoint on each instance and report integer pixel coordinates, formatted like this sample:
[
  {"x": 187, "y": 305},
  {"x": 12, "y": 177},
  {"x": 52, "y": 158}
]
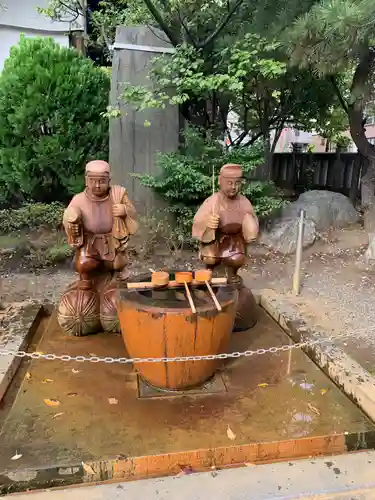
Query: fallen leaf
[
  {"x": 112, "y": 401},
  {"x": 75, "y": 371},
  {"x": 185, "y": 470},
  {"x": 313, "y": 409},
  {"x": 92, "y": 354},
  {"x": 56, "y": 415},
  {"x": 28, "y": 375},
  {"x": 52, "y": 402},
  {"x": 47, "y": 381},
  {"x": 88, "y": 468},
  {"x": 16, "y": 456},
  {"x": 231, "y": 435},
  {"x": 249, "y": 464},
  {"x": 263, "y": 385},
  {"x": 72, "y": 394},
  {"x": 323, "y": 391}
]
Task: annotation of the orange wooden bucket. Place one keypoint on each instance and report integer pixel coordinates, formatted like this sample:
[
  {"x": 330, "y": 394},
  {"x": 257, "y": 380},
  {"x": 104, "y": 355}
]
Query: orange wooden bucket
[{"x": 171, "y": 330}]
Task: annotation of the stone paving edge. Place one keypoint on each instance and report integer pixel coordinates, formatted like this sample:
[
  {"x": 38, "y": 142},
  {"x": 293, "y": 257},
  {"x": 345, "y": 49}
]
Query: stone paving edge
[{"x": 20, "y": 331}]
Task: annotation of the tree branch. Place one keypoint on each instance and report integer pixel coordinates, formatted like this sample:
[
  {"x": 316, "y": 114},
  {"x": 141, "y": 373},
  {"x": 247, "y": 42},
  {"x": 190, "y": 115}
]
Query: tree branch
[
  {"x": 359, "y": 91},
  {"x": 161, "y": 22},
  {"x": 220, "y": 27},
  {"x": 340, "y": 97},
  {"x": 253, "y": 139},
  {"x": 187, "y": 31}
]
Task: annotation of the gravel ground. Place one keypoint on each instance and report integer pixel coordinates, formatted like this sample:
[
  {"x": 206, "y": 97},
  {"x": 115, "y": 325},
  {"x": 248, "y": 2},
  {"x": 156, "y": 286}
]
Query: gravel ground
[
  {"x": 337, "y": 291},
  {"x": 337, "y": 294}
]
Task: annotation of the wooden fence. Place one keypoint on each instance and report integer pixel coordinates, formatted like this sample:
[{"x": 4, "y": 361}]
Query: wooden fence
[{"x": 339, "y": 172}]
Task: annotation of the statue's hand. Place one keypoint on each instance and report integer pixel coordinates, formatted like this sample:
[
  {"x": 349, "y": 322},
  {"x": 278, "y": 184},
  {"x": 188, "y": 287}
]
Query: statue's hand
[
  {"x": 213, "y": 222},
  {"x": 123, "y": 244},
  {"x": 119, "y": 210},
  {"x": 75, "y": 230}
]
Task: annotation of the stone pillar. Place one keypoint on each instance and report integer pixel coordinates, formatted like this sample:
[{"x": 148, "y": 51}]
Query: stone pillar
[{"x": 133, "y": 146}]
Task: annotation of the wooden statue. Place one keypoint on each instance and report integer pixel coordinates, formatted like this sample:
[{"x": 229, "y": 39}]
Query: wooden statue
[
  {"x": 98, "y": 223},
  {"x": 224, "y": 224}
]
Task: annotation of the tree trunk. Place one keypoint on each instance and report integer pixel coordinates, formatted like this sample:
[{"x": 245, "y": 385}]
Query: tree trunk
[{"x": 359, "y": 96}]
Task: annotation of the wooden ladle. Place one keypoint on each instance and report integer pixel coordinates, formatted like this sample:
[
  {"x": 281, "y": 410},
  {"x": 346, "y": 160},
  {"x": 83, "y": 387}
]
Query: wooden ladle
[
  {"x": 185, "y": 277},
  {"x": 204, "y": 276},
  {"x": 160, "y": 278}
]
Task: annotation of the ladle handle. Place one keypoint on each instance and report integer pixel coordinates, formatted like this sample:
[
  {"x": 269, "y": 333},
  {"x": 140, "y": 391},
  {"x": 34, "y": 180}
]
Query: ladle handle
[
  {"x": 190, "y": 299},
  {"x": 213, "y": 296}
]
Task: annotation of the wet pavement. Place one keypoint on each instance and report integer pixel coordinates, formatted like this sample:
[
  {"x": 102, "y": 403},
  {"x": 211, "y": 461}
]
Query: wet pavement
[{"x": 68, "y": 412}]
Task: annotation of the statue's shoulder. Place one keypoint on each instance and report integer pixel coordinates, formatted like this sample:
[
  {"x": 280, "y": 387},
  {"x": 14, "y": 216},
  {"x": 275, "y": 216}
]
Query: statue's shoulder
[
  {"x": 245, "y": 201},
  {"x": 78, "y": 198},
  {"x": 212, "y": 198}
]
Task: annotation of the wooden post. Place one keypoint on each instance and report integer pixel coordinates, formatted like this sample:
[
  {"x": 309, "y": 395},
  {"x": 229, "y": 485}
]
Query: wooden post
[{"x": 297, "y": 269}]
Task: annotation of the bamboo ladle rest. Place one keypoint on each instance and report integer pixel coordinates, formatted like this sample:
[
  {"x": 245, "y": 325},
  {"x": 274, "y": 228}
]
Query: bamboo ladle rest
[{"x": 149, "y": 285}]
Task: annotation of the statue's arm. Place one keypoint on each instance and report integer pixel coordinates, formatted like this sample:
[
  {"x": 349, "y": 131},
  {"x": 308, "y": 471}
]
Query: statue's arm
[
  {"x": 129, "y": 207},
  {"x": 250, "y": 224},
  {"x": 131, "y": 214},
  {"x": 200, "y": 230},
  {"x": 72, "y": 222}
]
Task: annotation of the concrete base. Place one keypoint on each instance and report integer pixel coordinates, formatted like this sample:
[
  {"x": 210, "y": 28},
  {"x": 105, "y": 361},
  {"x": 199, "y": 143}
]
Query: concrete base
[
  {"x": 347, "y": 477},
  {"x": 276, "y": 407}
]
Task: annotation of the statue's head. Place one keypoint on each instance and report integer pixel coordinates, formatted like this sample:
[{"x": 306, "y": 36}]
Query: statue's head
[
  {"x": 97, "y": 177},
  {"x": 230, "y": 180}
]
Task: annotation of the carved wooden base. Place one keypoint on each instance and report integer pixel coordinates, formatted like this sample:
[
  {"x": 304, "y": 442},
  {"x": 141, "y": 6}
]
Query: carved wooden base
[
  {"x": 108, "y": 309},
  {"x": 88, "y": 307},
  {"x": 247, "y": 314}
]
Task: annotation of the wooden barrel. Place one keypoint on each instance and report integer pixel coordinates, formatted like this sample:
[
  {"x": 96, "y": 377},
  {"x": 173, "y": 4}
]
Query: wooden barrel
[{"x": 167, "y": 328}]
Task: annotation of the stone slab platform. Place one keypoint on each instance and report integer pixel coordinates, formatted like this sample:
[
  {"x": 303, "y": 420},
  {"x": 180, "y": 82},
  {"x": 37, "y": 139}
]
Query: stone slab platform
[
  {"x": 277, "y": 407},
  {"x": 16, "y": 330}
]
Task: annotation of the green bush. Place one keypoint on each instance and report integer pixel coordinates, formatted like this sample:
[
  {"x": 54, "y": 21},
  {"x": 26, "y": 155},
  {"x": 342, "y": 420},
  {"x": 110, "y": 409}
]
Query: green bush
[
  {"x": 31, "y": 216},
  {"x": 186, "y": 178},
  {"x": 51, "y": 104}
]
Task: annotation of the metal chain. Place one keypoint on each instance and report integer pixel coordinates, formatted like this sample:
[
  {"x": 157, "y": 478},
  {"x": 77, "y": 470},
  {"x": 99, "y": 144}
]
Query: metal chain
[{"x": 178, "y": 359}]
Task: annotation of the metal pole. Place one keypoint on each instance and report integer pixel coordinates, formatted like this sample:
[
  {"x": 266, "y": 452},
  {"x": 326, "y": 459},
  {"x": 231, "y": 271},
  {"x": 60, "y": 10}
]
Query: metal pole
[{"x": 297, "y": 269}]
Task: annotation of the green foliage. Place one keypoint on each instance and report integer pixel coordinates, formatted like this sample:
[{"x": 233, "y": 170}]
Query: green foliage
[
  {"x": 59, "y": 252},
  {"x": 186, "y": 178},
  {"x": 235, "y": 68},
  {"x": 51, "y": 100},
  {"x": 337, "y": 36},
  {"x": 31, "y": 216},
  {"x": 228, "y": 58},
  {"x": 250, "y": 78},
  {"x": 332, "y": 33}
]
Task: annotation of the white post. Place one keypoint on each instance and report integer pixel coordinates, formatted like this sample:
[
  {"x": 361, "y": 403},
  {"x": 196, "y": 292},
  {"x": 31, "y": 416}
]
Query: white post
[{"x": 297, "y": 269}]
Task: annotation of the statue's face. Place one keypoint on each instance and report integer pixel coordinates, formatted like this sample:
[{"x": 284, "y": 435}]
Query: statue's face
[
  {"x": 230, "y": 186},
  {"x": 98, "y": 185}
]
